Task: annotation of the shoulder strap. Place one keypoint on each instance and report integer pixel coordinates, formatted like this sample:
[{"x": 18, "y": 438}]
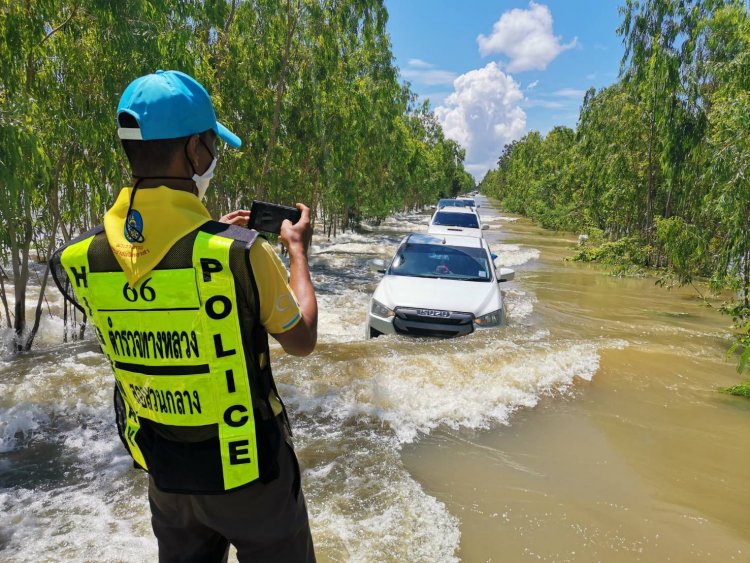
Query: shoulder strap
[
  {"x": 60, "y": 276},
  {"x": 230, "y": 231}
]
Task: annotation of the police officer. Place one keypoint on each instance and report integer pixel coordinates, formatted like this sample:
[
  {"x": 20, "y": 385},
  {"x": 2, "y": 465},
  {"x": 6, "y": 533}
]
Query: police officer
[{"x": 182, "y": 306}]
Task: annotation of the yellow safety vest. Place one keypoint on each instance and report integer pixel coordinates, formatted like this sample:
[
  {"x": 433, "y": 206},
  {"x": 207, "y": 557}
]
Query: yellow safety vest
[{"x": 178, "y": 353}]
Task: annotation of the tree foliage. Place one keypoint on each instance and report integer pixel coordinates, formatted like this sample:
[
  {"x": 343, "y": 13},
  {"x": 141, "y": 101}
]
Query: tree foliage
[
  {"x": 309, "y": 85},
  {"x": 659, "y": 161}
]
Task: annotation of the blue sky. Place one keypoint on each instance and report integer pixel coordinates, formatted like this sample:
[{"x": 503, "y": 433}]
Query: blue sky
[{"x": 494, "y": 70}]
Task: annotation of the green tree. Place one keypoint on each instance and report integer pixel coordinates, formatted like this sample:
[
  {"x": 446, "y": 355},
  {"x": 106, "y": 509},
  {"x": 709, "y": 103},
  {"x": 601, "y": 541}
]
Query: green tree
[
  {"x": 309, "y": 85},
  {"x": 658, "y": 161}
]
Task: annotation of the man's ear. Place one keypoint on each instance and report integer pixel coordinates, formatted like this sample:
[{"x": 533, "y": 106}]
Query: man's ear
[{"x": 192, "y": 150}]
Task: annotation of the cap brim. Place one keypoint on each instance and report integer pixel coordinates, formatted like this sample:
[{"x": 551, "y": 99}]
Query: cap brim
[{"x": 229, "y": 137}]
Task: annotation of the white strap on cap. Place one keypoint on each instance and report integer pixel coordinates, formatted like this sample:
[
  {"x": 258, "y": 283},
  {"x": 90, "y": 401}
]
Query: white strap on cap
[{"x": 130, "y": 133}]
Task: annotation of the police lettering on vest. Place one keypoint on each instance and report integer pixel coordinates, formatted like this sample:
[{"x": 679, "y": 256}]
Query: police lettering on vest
[{"x": 179, "y": 355}]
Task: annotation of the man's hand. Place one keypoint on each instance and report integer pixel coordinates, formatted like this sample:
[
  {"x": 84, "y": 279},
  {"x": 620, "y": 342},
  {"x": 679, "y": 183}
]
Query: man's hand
[
  {"x": 239, "y": 217},
  {"x": 297, "y": 236},
  {"x": 301, "y": 340}
]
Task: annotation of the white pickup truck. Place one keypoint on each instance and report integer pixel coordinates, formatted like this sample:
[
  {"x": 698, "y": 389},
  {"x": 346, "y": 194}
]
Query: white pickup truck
[
  {"x": 456, "y": 221},
  {"x": 438, "y": 285}
]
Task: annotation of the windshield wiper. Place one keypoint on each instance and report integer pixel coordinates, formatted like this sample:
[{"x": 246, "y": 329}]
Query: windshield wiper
[{"x": 414, "y": 275}]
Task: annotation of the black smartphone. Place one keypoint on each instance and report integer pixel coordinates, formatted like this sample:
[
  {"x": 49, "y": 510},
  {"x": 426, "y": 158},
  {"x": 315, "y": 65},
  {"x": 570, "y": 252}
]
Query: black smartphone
[{"x": 268, "y": 217}]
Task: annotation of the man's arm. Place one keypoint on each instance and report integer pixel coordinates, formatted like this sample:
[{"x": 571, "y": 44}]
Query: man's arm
[{"x": 300, "y": 340}]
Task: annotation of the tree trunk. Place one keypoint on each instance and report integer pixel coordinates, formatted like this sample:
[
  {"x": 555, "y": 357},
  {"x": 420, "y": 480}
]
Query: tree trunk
[
  {"x": 280, "y": 88},
  {"x": 54, "y": 198},
  {"x": 746, "y": 280},
  {"x": 218, "y": 62},
  {"x": 20, "y": 262},
  {"x": 43, "y": 286},
  {"x": 4, "y": 297},
  {"x": 65, "y": 319},
  {"x": 82, "y": 330},
  {"x": 650, "y": 188}
]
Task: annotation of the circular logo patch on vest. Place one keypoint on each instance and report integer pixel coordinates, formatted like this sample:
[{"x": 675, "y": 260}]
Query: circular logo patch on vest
[{"x": 134, "y": 227}]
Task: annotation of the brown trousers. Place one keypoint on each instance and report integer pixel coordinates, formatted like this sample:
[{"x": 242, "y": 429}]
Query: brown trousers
[{"x": 265, "y": 522}]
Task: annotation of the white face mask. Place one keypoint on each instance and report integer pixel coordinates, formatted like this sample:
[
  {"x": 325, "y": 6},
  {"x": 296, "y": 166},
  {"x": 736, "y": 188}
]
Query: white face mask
[{"x": 202, "y": 180}]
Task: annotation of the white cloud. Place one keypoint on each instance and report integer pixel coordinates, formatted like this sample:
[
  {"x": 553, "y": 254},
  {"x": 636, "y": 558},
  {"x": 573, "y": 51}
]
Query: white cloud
[
  {"x": 419, "y": 63},
  {"x": 422, "y": 72},
  {"x": 548, "y": 104},
  {"x": 569, "y": 93},
  {"x": 429, "y": 77},
  {"x": 525, "y": 36},
  {"x": 482, "y": 115},
  {"x": 532, "y": 85}
]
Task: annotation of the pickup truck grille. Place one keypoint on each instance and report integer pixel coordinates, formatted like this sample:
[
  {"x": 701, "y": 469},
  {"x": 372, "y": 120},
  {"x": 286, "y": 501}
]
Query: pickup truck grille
[{"x": 431, "y": 322}]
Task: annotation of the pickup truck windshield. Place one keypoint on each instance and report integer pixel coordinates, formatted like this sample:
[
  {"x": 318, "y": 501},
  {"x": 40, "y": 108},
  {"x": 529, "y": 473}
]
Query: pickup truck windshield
[
  {"x": 451, "y": 203},
  {"x": 441, "y": 261},
  {"x": 450, "y": 219}
]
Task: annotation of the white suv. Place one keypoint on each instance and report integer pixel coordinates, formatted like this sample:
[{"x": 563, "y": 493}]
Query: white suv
[
  {"x": 438, "y": 286},
  {"x": 456, "y": 221}
]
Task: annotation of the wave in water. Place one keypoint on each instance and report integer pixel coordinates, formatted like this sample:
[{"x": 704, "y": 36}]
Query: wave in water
[{"x": 68, "y": 483}]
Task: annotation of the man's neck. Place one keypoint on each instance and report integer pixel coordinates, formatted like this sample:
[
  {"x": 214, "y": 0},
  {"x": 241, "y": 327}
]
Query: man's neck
[{"x": 184, "y": 185}]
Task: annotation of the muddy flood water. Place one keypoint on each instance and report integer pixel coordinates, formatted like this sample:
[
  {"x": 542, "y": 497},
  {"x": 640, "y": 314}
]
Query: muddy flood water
[{"x": 589, "y": 429}]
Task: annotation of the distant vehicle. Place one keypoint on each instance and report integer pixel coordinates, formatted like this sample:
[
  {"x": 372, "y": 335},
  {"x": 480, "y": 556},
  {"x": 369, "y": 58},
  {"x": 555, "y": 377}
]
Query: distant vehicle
[
  {"x": 438, "y": 286},
  {"x": 445, "y": 202},
  {"x": 456, "y": 221},
  {"x": 469, "y": 201}
]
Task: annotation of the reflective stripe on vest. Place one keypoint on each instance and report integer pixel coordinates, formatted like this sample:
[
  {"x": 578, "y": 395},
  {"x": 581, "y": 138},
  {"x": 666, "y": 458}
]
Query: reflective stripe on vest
[{"x": 175, "y": 344}]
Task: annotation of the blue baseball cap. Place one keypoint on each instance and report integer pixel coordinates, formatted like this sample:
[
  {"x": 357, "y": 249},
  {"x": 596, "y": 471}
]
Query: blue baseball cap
[{"x": 170, "y": 104}]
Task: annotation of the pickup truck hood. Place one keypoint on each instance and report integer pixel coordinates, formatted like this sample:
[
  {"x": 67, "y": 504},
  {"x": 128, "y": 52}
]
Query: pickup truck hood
[{"x": 447, "y": 295}]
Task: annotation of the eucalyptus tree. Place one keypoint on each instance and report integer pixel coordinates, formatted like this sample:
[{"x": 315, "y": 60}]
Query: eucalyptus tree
[
  {"x": 327, "y": 135},
  {"x": 651, "y": 71},
  {"x": 613, "y": 143},
  {"x": 309, "y": 85},
  {"x": 63, "y": 66},
  {"x": 661, "y": 157},
  {"x": 729, "y": 141},
  {"x": 27, "y": 42},
  {"x": 704, "y": 137},
  {"x": 519, "y": 172}
]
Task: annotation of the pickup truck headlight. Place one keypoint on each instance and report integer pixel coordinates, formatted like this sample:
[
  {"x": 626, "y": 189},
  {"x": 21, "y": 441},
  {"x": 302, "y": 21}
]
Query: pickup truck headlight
[
  {"x": 380, "y": 310},
  {"x": 494, "y": 318}
]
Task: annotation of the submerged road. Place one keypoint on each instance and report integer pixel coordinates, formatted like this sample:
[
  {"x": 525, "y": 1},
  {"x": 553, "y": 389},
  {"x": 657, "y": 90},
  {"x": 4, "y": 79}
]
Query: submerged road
[{"x": 588, "y": 429}]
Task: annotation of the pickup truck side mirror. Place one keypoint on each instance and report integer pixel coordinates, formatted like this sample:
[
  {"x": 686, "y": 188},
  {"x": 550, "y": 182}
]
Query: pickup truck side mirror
[
  {"x": 504, "y": 274},
  {"x": 485, "y": 227},
  {"x": 377, "y": 264}
]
